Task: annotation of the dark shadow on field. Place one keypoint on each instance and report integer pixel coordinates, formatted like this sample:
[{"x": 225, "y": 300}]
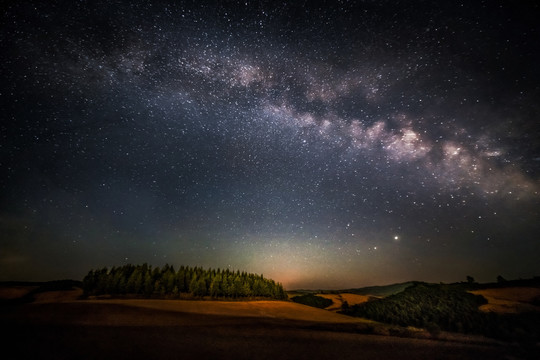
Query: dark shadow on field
[{"x": 112, "y": 331}]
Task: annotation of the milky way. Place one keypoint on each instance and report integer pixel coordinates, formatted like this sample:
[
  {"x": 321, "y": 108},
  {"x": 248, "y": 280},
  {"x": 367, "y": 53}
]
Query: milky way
[{"x": 337, "y": 145}]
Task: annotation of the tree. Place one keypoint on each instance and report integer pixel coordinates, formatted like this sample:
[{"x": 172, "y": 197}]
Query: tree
[
  {"x": 197, "y": 286},
  {"x": 168, "y": 280},
  {"x": 194, "y": 286},
  {"x": 148, "y": 284},
  {"x": 202, "y": 290},
  {"x": 135, "y": 282},
  {"x": 214, "y": 289},
  {"x": 237, "y": 286},
  {"x": 470, "y": 279},
  {"x": 500, "y": 279},
  {"x": 433, "y": 329}
]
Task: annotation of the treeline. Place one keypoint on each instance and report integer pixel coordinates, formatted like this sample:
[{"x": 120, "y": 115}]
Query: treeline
[
  {"x": 166, "y": 282},
  {"x": 503, "y": 283},
  {"x": 446, "y": 307},
  {"x": 312, "y": 300}
]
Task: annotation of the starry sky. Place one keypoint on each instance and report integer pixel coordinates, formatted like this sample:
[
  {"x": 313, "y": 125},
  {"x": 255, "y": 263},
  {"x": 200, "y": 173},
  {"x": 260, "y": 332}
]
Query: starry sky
[{"x": 325, "y": 145}]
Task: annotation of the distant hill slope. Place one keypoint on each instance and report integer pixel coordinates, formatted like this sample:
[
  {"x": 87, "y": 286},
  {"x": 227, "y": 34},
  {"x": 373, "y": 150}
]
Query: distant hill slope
[
  {"x": 382, "y": 291},
  {"x": 378, "y": 291},
  {"x": 392, "y": 289},
  {"x": 12, "y": 292}
]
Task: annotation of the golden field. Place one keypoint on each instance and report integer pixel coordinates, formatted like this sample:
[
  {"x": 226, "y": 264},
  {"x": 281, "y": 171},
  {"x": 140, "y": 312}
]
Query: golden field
[
  {"x": 509, "y": 300},
  {"x": 59, "y": 326}
]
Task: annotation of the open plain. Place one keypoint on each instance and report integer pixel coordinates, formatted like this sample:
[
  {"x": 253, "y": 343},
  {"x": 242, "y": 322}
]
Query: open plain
[{"x": 56, "y": 325}]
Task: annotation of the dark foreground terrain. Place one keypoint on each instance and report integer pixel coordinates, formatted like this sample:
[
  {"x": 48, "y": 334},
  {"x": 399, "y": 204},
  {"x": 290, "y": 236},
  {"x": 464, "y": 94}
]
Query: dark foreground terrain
[{"x": 108, "y": 330}]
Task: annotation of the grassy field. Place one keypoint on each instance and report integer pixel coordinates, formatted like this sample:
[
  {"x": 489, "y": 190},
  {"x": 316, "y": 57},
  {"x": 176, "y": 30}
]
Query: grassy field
[
  {"x": 58, "y": 326},
  {"x": 15, "y": 292},
  {"x": 339, "y": 299},
  {"x": 510, "y": 299}
]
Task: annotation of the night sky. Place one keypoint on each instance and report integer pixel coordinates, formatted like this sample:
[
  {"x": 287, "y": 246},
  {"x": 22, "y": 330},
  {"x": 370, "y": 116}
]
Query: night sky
[{"x": 324, "y": 146}]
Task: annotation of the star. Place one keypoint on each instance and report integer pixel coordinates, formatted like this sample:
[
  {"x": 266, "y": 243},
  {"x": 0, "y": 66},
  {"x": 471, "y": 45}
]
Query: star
[{"x": 271, "y": 139}]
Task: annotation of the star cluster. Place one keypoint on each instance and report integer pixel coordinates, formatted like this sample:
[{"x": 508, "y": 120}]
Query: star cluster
[{"x": 340, "y": 145}]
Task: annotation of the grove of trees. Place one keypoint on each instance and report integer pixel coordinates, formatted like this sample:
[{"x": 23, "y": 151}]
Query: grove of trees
[
  {"x": 447, "y": 307},
  {"x": 423, "y": 305},
  {"x": 313, "y": 300},
  {"x": 166, "y": 282}
]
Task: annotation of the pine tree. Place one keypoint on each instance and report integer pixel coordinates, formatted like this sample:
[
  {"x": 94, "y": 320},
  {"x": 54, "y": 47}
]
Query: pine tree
[
  {"x": 148, "y": 284},
  {"x": 194, "y": 286}
]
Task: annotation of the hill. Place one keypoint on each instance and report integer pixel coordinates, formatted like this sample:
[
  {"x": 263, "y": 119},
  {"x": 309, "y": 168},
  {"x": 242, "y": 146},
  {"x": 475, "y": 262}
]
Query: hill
[
  {"x": 27, "y": 291},
  {"x": 451, "y": 307},
  {"x": 54, "y": 322},
  {"x": 165, "y": 329},
  {"x": 380, "y": 291},
  {"x": 377, "y": 291}
]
